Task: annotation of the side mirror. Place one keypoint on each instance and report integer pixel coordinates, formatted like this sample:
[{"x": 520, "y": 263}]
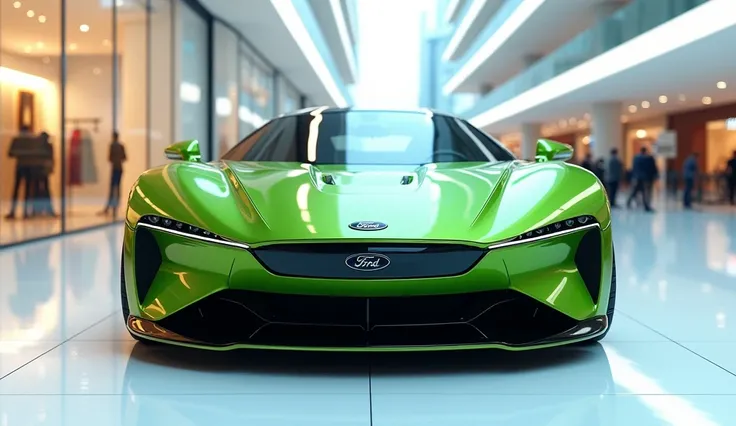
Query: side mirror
[
  {"x": 548, "y": 150},
  {"x": 184, "y": 151}
]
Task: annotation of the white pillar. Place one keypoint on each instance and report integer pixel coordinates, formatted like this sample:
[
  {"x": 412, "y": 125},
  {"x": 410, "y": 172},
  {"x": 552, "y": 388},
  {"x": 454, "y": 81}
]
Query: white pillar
[
  {"x": 606, "y": 129},
  {"x": 530, "y": 134}
]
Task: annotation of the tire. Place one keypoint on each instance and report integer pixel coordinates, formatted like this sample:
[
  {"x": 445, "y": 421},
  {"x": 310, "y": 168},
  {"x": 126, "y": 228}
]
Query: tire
[
  {"x": 124, "y": 304},
  {"x": 611, "y": 304}
]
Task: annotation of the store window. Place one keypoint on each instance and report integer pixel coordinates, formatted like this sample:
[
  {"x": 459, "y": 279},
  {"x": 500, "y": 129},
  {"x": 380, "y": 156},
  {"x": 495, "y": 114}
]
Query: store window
[
  {"x": 290, "y": 98},
  {"x": 30, "y": 121},
  {"x": 193, "y": 67},
  {"x": 226, "y": 89},
  {"x": 720, "y": 145}
]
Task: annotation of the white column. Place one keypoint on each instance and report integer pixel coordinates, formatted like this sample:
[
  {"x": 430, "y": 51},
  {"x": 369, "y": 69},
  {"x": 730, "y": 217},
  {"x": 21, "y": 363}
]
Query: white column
[
  {"x": 530, "y": 134},
  {"x": 606, "y": 129}
]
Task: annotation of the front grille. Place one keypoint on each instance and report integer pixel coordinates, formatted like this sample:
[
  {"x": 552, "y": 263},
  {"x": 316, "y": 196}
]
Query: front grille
[
  {"x": 238, "y": 316},
  {"x": 147, "y": 261},
  {"x": 384, "y": 261},
  {"x": 588, "y": 261}
]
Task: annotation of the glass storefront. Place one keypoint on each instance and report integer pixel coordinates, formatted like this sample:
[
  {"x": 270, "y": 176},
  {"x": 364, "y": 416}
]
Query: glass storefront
[{"x": 92, "y": 91}]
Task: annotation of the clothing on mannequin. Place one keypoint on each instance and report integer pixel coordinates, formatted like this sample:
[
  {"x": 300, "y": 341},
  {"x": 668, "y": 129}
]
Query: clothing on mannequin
[{"x": 116, "y": 157}]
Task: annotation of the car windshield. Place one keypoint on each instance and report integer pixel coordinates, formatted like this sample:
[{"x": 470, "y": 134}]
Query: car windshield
[{"x": 368, "y": 138}]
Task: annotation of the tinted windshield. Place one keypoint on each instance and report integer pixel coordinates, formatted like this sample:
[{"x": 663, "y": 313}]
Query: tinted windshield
[{"x": 368, "y": 137}]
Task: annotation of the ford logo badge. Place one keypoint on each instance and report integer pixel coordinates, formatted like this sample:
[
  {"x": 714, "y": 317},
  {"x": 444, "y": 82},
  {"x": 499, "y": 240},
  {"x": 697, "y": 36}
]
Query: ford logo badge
[
  {"x": 367, "y": 262},
  {"x": 368, "y": 225}
]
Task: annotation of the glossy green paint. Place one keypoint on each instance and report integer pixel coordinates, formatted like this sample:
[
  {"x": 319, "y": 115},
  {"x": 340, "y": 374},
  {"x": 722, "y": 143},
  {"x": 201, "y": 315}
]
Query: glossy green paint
[
  {"x": 265, "y": 203},
  {"x": 549, "y": 150},
  {"x": 185, "y": 151}
]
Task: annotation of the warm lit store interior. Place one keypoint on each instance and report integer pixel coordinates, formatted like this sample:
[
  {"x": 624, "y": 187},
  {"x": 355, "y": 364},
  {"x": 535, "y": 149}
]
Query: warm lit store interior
[{"x": 144, "y": 75}]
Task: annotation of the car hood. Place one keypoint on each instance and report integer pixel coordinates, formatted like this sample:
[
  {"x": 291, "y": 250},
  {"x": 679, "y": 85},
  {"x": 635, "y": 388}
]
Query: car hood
[{"x": 449, "y": 201}]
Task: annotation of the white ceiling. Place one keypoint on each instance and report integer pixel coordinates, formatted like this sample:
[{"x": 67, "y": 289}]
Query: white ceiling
[
  {"x": 490, "y": 7},
  {"x": 692, "y": 71},
  {"x": 27, "y": 35},
  {"x": 549, "y": 27}
]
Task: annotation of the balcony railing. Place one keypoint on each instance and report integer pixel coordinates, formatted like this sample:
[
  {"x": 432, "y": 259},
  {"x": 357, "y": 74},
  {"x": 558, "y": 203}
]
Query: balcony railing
[{"x": 630, "y": 21}]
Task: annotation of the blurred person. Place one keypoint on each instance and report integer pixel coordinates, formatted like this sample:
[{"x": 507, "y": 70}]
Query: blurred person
[
  {"x": 588, "y": 162},
  {"x": 600, "y": 170},
  {"x": 689, "y": 174},
  {"x": 644, "y": 172},
  {"x": 116, "y": 157},
  {"x": 21, "y": 148},
  {"x": 614, "y": 175},
  {"x": 41, "y": 182},
  {"x": 731, "y": 178}
]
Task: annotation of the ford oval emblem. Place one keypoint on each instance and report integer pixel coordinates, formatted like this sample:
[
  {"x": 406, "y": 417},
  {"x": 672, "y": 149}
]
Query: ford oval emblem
[
  {"x": 367, "y": 262},
  {"x": 368, "y": 225}
]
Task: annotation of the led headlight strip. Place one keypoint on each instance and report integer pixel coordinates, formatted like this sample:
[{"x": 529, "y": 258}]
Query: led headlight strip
[
  {"x": 175, "y": 227},
  {"x": 555, "y": 229}
]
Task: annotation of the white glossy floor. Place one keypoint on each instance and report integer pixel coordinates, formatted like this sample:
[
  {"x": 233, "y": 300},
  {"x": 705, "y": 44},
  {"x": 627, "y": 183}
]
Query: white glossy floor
[{"x": 670, "y": 359}]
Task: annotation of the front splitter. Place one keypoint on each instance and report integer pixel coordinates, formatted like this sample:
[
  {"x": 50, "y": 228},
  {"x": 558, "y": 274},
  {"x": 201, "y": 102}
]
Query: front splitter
[{"x": 584, "y": 330}]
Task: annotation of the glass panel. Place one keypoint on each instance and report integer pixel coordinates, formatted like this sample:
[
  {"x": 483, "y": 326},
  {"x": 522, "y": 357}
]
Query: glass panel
[
  {"x": 160, "y": 61},
  {"x": 290, "y": 97},
  {"x": 194, "y": 68},
  {"x": 133, "y": 104},
  {"x": 89, "y": 122},
  {"x": 226, "y": 89},
  {"x": 632, "y": 20},
  {"x": 30, "y": 120},
  {"x": 246, "y": 117}
]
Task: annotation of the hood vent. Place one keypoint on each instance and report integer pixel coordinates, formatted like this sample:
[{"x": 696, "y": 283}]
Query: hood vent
[{"x": 407, "y": 180}]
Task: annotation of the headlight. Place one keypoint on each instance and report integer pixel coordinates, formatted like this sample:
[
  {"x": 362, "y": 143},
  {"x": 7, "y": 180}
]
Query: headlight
[
  {"x": 557, "y": 228},
  {"x": 180, "y": 228}
]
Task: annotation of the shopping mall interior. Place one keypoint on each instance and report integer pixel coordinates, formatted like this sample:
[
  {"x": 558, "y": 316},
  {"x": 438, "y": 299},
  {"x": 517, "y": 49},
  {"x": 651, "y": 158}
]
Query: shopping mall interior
[{"x": 636, "y": 96}]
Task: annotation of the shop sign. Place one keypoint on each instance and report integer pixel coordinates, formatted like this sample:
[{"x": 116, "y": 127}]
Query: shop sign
[{"x": 666, "y": 146}]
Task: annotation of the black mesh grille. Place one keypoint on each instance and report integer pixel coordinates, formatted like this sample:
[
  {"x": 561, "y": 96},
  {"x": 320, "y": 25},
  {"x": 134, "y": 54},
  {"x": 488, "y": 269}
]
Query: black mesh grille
[
  {"x": 588, "y": 262},
  {"x": 329, "y": 260},
  {"x": 236, "y": 316},
  {"x": 147, "y": 261}
]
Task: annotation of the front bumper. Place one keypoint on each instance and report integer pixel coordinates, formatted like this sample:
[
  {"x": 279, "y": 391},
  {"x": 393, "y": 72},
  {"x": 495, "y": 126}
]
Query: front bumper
[{"x": 220, "y": 297}]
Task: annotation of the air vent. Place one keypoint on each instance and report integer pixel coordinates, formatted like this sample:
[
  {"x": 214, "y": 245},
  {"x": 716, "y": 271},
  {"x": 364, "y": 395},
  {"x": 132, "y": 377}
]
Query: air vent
[
  {"x": 406, "y": 180},
  {"x": 328, "y": 179}
]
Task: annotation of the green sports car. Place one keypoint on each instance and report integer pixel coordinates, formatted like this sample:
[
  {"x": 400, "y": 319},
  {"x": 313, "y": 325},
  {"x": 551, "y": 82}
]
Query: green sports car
[{"x": 368, "y": 230}]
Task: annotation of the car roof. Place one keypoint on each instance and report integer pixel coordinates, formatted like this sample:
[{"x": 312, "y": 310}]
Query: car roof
[{"x": 326, "y": 109}]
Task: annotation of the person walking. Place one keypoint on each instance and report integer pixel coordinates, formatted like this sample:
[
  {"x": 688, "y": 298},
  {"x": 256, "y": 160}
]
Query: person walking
[
  {"x": 731, "y": 178},
  {"x": 614, "y": 175},
  {"x": 116, "y": 157},
  {"x": 642, "y": 175},
  {"x": 689, "y": 174}
]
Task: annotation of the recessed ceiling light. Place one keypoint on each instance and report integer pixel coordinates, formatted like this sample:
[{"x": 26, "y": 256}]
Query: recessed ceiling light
[
  {"x": 641, "y": 133},
  {"x": 41, "y": 19},
  {"x": 721, "y": 85},
  {"x": 645, "y": 104},
  {"x": 663, "y": 99},
  {"x": 573, "y": 120},
  {"x": 17, "y": 5},
  {"x": 682, "y": 98},
  {"x": 119, "y": 2},
  {"x": 84, "y": 28},
  {"x": 30, "y": 14},
  {"x": 39, "y": 44},
  {"x": 562, "y": 123},
  {"x": 707, "y": 100},
  {"x": 632, "y": 108},
  {"x": 73, "y": 46},
  {"x": 28, "y": 49}
]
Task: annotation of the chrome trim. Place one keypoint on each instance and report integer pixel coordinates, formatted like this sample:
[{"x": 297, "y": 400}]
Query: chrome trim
[
  {"x": 543, "y": 237},
  {"x": 194, "y": 237}
]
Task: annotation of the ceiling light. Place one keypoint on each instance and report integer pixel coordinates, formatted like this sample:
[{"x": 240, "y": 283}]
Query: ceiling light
[
  {"x": 17, "y": 5},
  {"x": 28, "y": 49},
  {"x": 30, "y": 14},
  {"x": 562, "y": 123},
  {"x": 721, "y": 85},
  {"x": 682, "y": 98},
  {"x": 645, "y": 104},
  {"x": 39, "y": 44},
  {"x": 73, "y": 46},
  {"x": 573, "y": 120},
  {"x": 84, "y": 28},
  {"x": 707, "y": 100},
  {"x": 641, "y": 133},
  {"x": 41, "y": 19},
  {"x": 632, "y": 108},
  {"x": 663, "y": 99}
]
